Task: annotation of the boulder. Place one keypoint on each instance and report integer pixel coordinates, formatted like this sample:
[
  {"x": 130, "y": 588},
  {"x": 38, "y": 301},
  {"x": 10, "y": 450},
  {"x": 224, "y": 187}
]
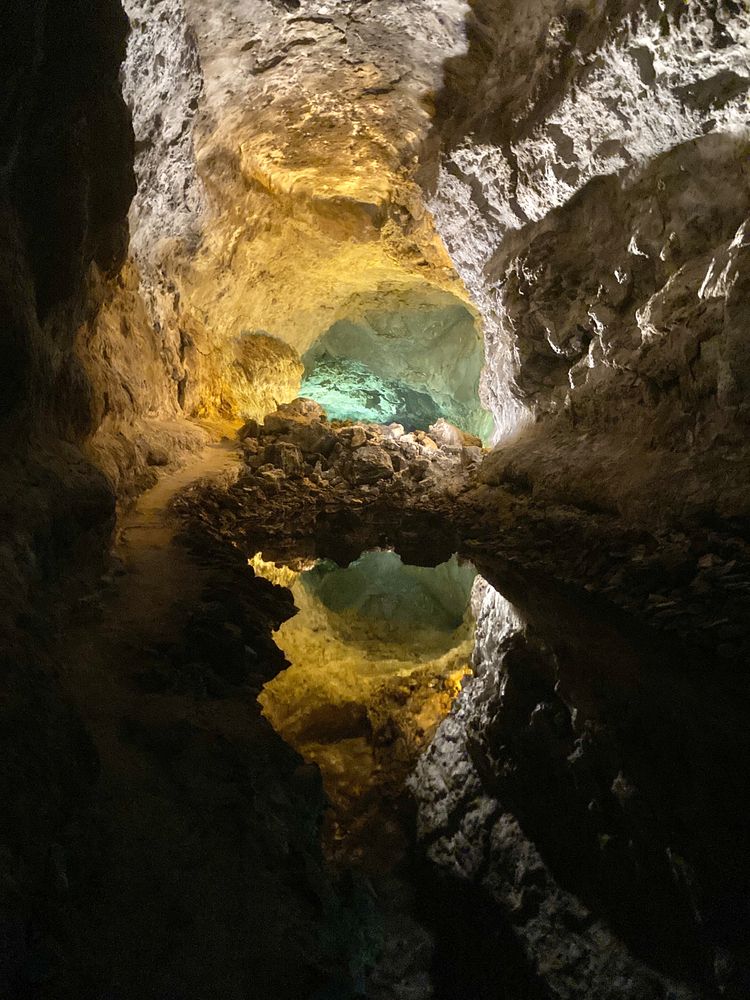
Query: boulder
[
  {"x": 285, "y": 456},
  {"x": 314, "y": 438},
  {"x": 279, "y": 423},
  {"x": 309, "y": 434},
  {"x": 302, "y": 407},
  {"x": 447, "y": 434},
  {"x": 419, "y": 469},
  {"x": 353, "y": 437},
  {"x": 370, "y": 464},
  {"x": 421, "y": 439},
  {"x": 250, "y": 429},
  {"x": 471, "y": 457}
]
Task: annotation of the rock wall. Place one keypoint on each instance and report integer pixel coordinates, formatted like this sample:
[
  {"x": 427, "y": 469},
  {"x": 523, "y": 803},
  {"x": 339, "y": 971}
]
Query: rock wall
[
  {"x": 429, "y": 345},
  {"x": 87, "y": 378},
  {"x": 589, "y": 191},
  {"x": 587, "y": 173},
  {"x": 578, "y": 792},
  {"x": 65, "y": 185},
  {"x": 276, "y": 192}
]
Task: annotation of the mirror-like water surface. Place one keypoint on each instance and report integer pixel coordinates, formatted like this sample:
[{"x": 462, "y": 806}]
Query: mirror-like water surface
[{"x": 378, "y": 651}]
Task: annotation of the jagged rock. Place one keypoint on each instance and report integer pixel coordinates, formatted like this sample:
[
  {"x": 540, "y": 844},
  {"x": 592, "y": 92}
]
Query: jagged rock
[
  {"x": 301, "y": 426},
  {"x": 471, "y": 457},
  {"x": 370, "y": 464},
  {"x": 394, "y": 431},
  {"x": 420, "y": 440},
  {"x": 308, "y": 409},
  {"x": 354, "y": 436},
  {"x": 419, "y": 468},
  {"x": 284, "y": 456},
  {"x": 250, "y": 429}
]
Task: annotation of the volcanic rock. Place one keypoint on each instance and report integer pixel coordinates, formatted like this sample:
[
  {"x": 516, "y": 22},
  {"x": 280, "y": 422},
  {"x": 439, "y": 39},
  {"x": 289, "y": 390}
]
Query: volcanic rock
[{"x": 370, "y": 464}]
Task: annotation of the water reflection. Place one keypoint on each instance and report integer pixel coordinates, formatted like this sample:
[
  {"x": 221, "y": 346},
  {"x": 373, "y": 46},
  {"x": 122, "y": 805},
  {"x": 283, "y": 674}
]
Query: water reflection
[
  {"x": 585, "y": 791},
  {"x": 378, "y": 652}
]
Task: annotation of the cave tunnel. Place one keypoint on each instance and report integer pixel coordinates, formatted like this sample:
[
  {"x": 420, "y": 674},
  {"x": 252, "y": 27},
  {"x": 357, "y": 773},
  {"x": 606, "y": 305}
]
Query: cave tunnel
[
  {"x": 375, "y": 500},
  {"x": 411, "y": 365}
]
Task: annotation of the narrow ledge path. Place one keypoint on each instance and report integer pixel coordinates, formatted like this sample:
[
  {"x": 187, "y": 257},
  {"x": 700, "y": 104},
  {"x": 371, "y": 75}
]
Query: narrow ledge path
[
  {"x": 160, "y": 578},
  {"x": 188, "y": 789}
]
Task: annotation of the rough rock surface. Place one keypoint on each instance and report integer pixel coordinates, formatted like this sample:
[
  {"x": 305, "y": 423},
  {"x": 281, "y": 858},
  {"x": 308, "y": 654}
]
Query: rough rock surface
[
  {"x": 65, "y": 186},
  {"x": 275, "y": 190},
  {"x": 587, "y": 172},
  {"x": 402, "y": 366},
  {"x": 301, "y": 469},
  {"x": 605, "y": 105},
  {"x": 603, "y": 872}
]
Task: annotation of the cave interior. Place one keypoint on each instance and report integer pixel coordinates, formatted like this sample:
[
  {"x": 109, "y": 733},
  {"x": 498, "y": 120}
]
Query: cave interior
[{"x": 375, "y": 500}]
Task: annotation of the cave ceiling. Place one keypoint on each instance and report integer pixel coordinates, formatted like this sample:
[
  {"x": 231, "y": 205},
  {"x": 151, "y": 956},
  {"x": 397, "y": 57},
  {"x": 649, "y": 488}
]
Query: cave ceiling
[{"x": 279, "y": 193}]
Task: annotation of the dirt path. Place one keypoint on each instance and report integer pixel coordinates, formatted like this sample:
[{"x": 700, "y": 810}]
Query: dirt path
[
  {"x": 119, "y": 634},
  {"x": 160, "y": 578},
  {"x": 174, "y": 862}
]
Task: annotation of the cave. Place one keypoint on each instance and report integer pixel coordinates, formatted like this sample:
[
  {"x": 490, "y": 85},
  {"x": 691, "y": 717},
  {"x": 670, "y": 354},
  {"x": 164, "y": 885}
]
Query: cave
[{"x": 375, "y": 500}]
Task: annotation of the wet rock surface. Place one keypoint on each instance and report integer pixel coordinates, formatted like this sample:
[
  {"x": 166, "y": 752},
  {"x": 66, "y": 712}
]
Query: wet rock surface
[{"x": 586, "y": 786}]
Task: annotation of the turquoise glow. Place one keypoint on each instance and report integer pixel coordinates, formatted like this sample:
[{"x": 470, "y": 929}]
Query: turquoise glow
[
  {"x": 349, "y": 390},
  {"x": 378, "y": 586},
  {"x": 409, "y": 367}
]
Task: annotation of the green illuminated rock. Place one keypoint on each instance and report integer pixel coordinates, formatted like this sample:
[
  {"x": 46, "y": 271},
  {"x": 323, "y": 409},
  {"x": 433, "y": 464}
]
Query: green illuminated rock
[{"x": 411, "y": 367}]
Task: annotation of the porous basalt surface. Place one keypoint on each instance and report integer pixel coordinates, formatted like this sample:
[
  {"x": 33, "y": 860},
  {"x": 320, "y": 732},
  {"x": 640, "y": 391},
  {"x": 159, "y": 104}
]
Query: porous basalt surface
[{"x": 617, "y": 114}]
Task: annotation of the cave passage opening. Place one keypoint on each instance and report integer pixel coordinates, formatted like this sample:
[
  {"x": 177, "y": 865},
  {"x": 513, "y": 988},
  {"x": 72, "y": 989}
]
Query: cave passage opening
[{"x": 409, "y": 359}]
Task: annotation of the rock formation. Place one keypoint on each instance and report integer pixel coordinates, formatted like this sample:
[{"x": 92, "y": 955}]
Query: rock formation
[
  {"x": 449, "y": 223},
  {"x": 598, "y": 173}
]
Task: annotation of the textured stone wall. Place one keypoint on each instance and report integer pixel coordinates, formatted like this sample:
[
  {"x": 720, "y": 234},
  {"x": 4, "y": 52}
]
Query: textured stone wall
[
  {"x": 66, "y": 182},
  {"x": 588, "y": 175},
  {"x": 579, "y": 152},
  {"x": 275, "y": 185},
  {"x": 90, "y": 380}
]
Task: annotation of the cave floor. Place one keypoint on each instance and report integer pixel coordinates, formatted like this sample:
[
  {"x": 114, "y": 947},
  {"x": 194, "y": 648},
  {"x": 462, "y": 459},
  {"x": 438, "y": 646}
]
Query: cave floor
[{"x": 172, "y": 866}]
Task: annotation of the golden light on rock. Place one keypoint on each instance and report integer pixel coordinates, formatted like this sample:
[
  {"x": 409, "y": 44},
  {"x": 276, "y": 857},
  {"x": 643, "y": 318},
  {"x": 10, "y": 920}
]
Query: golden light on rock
[
  {"x": 282, "y": 576},
  {"x": 312, "y": 207},
  {"x": 378, "y": 651}
]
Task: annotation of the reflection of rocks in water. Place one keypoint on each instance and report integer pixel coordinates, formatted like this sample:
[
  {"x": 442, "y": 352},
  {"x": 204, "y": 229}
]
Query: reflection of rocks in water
[
  {"x": 589, "y": 789},
  {"x": 378, "y": 650}
]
